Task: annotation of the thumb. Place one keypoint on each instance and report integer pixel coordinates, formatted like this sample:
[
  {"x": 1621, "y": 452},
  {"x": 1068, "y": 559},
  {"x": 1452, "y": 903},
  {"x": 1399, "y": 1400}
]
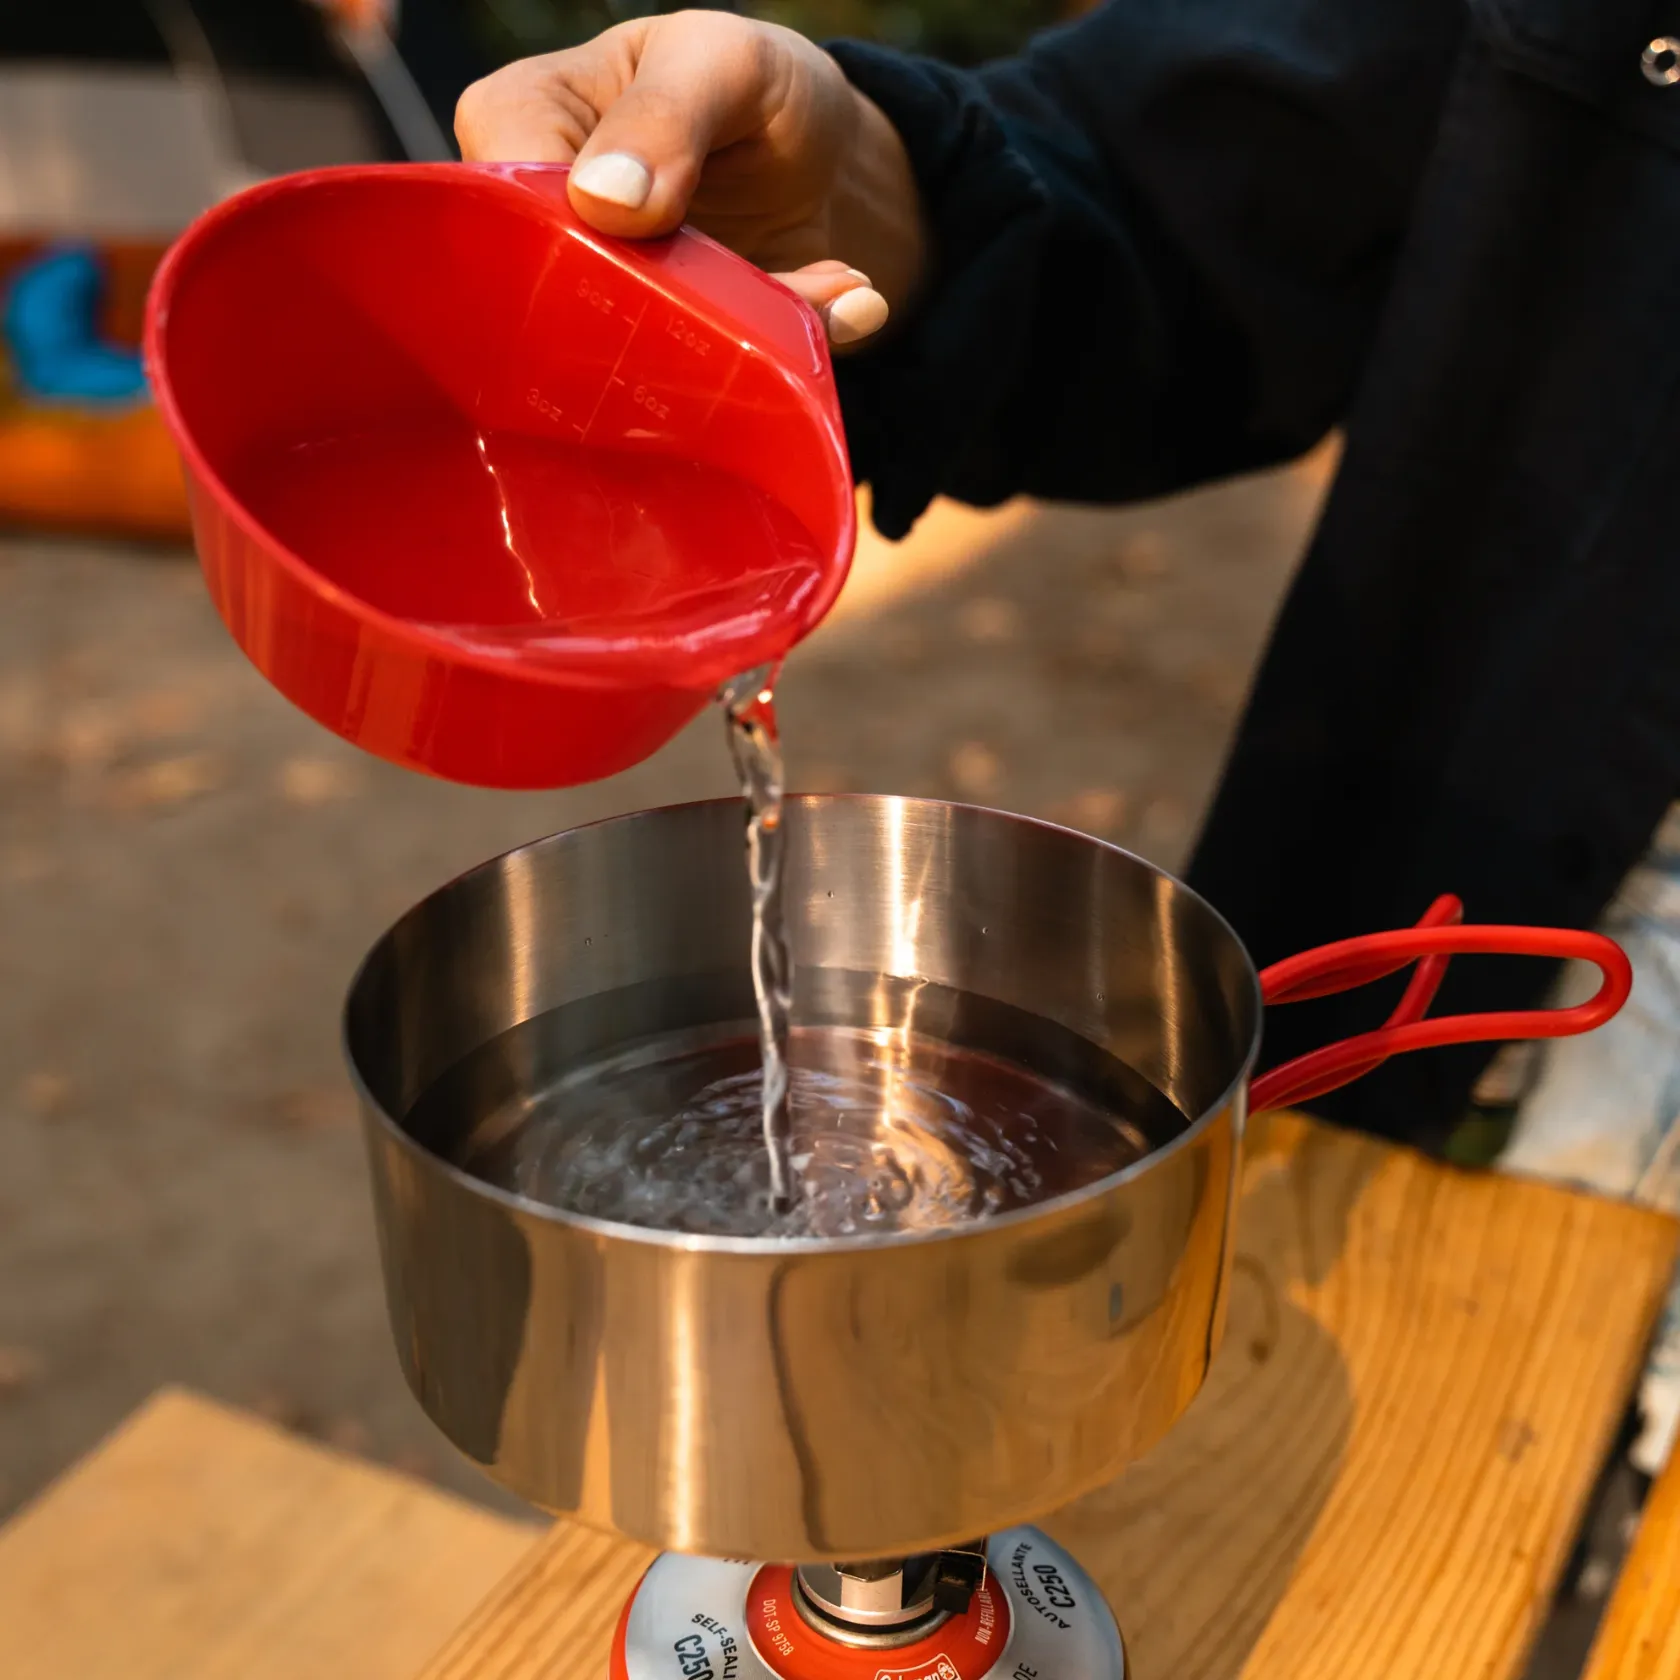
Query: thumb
[{"x": 700, "y": 83}]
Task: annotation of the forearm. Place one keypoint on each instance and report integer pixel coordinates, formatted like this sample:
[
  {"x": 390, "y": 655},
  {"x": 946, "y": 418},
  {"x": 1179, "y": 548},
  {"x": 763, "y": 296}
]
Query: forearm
[{"x": 1157, "y": 244}]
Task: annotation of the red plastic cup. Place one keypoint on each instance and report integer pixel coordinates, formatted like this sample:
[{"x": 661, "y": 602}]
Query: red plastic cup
[{"x": 487, "y": 493}]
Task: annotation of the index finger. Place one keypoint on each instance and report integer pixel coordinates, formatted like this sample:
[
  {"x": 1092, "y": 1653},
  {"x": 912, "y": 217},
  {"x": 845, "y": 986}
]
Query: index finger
[{"x": 543, "y": 109}]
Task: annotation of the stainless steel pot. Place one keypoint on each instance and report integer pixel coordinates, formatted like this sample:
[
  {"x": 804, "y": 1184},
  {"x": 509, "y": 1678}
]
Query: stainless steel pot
[
  {"x": 830, "y": 1400},
  {"x": 827, "y": 1399}
]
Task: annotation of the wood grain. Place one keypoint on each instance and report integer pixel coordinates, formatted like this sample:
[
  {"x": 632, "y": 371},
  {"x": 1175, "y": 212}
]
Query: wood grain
[
  {"x": 1384, "y": 1474},
  {"x": 1640, "y": 1635},
  {"x": 553, "y": 1616},
  {"x": 1422, "y": 1372},
  {"x": 198, "y": 1544}
]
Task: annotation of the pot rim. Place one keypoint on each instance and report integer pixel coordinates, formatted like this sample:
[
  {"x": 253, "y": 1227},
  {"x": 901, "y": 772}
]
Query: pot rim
[{"x": 761, "y": 1248}]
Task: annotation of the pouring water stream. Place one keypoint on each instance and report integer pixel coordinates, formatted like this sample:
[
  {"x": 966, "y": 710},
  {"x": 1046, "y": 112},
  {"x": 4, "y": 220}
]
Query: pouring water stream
[{"x": 749, "y": 709}]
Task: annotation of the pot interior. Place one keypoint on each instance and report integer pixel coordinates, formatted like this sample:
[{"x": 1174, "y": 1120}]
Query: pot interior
[{"x": 990, "y": 1013}]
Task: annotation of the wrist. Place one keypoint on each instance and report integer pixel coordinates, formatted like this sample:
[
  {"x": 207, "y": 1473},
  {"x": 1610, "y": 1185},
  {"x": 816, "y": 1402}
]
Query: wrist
[{"x": 877, "y": 223}]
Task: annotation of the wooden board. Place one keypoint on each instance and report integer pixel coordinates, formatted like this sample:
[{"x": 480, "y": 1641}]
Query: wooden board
[
  {"x": 1423, "y": 1371},
  {"x": 1639, "y": 1638},
  {"x": 1387, "y": 1468},
  {"x": 198, "y": 1543}
]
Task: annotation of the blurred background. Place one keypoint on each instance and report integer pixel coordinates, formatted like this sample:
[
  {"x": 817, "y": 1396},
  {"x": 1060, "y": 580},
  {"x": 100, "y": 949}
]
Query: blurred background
[
  {"x": 189, "y": 870},
  {"x": 967, "y": 31}
]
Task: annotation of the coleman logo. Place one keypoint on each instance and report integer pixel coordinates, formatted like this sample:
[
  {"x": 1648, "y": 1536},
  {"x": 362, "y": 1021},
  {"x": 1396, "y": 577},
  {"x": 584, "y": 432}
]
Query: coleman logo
[{"x": 940, "y": 1668}]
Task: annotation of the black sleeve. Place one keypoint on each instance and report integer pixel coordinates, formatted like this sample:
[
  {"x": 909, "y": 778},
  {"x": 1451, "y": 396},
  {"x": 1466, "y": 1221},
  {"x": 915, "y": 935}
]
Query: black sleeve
[{"x": 1161, "y": 240}]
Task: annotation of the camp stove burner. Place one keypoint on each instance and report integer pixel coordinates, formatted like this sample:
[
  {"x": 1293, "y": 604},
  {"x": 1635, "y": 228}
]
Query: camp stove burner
[
  {"x": 1018, "y": 1606},
  {"x": 889, "y": 1601}
]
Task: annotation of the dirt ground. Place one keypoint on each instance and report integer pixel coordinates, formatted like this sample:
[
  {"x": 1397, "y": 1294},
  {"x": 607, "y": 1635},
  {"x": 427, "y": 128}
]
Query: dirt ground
[{"x": 189, "y": 871}]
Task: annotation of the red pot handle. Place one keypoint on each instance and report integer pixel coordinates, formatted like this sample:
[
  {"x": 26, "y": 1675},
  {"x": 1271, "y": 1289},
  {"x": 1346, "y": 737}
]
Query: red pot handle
[{"x": 1431, "y": 944}]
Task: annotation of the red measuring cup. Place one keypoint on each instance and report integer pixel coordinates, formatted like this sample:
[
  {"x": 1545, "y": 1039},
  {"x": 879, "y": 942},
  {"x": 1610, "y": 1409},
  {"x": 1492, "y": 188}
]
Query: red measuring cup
[{"x": 484, "y": 491}]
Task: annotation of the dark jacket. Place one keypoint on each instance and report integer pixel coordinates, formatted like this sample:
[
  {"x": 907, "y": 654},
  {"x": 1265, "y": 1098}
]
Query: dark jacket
[{"x": 1183, "y": 238}]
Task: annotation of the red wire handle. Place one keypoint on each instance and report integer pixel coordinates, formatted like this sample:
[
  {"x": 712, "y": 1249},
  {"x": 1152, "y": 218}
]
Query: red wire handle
[{"x": 1431, "y": 944}]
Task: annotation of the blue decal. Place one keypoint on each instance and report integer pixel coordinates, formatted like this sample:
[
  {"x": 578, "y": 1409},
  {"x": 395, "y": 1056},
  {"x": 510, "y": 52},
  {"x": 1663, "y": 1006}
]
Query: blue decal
[{"x": 51, "y": 329}]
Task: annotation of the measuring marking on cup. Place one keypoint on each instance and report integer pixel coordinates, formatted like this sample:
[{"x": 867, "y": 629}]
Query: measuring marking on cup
[{"x": 482, "y": 490}]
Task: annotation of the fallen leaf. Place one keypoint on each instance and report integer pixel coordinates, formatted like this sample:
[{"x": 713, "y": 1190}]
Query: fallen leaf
[
  {"x": 903, "y": 643},
  {"x": 165, "y": 711},
  {"x": 975, "y": 770},
  {"x": 316, "y": 781},
  {"x": 1127, "y": 610},
  {"x": 1102, "y": 644},
  {"x": 1098, "y": 811},
  {"x": 167, "y": 781},
  {"x": 22, "y": 710},
  {"x": 395, "y": 901},
  {"x": 27, "y": 865},
  {"x": 1144, "y": 558},
  {"x": 283, "y": 1413},
  {"x": 317, "y": 1108},
  {"x": 349, "y": 1435},
  {"x": 1222, "y": 684},
  {"x": 989, "y": 620},
  {"x": 415, "y": 1461},
  {"x": 823, "y": 778},
  {"x": 78, "y": 669},
  {"x": 1166, "y": 819},
  {"x": 88, "y": 736},
  {"x": 20, "y": 1368},
  {"x": 46, "y": 1094},
  {"x": 295, "y": 914}
]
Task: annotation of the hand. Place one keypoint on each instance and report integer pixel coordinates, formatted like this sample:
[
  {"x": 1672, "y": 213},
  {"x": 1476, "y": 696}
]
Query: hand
[{"x": 744, "y": 129}]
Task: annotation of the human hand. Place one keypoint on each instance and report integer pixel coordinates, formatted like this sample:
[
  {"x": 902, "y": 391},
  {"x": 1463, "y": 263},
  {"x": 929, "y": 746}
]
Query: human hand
[{"x": 743, "y": 128}]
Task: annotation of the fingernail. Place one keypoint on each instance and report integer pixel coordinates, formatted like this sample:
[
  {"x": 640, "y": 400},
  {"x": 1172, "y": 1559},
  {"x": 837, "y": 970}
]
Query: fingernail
[
  {"x": 856, "y": 314},
  {"x": 858, "y": 274},
  {"x": 616, "y": 178}
]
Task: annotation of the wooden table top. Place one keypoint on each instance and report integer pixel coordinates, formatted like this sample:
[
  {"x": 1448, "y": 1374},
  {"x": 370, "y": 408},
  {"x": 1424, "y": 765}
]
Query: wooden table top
[
  {"x": 1423, "y": 1371},
  {"x": 1639, "y": 1638}
]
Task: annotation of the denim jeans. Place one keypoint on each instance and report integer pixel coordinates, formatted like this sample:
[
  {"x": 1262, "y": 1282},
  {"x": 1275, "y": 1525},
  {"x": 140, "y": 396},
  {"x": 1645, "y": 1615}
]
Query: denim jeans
[{"x": 1604, "y": 1111}]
